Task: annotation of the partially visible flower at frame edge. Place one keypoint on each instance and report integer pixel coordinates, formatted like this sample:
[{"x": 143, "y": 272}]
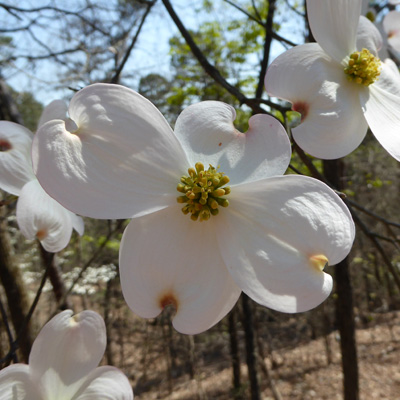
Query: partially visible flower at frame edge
[
  {"x": 195, "y": 242},
  {"x": 62, "y": 364},
  {"x": 338, "y": 84},
  {"x": 391, "y": 25},
  {"x": 38, "y": 215}
]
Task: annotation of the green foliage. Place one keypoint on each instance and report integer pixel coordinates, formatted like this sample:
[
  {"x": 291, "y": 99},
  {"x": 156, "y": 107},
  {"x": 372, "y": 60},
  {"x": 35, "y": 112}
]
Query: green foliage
[
  {"x": 231, "y": 46},
  {"x": 29, "y": 108}
]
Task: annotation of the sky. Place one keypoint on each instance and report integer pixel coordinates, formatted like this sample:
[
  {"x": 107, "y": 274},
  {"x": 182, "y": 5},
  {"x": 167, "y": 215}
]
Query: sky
[{"x": 151, "y": 54}]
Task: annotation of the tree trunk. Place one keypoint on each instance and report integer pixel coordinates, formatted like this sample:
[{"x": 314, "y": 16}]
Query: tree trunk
[
  {"x": 251, "y": 352},
  {"x": 235, "y": 357},
  {"x": 54, "y": 274},
  {"x": 333, "y": 170},
  {"x": 14, "y": 288}
]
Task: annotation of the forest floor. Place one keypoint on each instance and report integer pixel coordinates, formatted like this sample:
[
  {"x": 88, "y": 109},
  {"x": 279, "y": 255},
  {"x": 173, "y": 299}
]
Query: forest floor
[{"x": 302, "y": 372}]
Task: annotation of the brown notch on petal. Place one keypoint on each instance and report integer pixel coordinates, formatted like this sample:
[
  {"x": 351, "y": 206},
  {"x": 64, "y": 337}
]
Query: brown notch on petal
[
  {"x": 41, "y": 234},
  {"x": 168, "y": 299},
  {"x": 302, "y": 108},
  {"x": 5, "y": 145}
]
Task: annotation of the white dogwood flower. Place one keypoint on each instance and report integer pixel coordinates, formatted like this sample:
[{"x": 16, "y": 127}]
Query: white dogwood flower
[
  {"x": 62, "y": 364},
  {"x": 266, "y": 234},
  {"x": 391, "y": 25},
  {"x": 38, "y": 215},
  {"x": 338, "y": 84}
]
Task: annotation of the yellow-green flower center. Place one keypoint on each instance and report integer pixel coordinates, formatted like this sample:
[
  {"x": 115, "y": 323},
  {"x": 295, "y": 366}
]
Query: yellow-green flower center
[
  {"x": 203, "y": 192},
  {"x": 363, "y": 67}
]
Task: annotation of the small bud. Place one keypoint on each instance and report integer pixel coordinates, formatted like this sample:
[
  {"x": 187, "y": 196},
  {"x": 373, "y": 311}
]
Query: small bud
[
  {"x": 181, "y": 188},
  {"x": 182, "y": 199},
  {"x": 199, "y": 167}
]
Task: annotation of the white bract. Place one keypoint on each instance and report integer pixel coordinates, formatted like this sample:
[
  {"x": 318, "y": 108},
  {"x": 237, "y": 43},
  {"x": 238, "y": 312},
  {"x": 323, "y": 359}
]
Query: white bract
[
  {"x": 266, "y": 234},
  {"x": 38, "y": 215},
  {"x": 338, "y": 84},
  {"x": 391, "y": 25},
  {"x": 62, "y": 364}
]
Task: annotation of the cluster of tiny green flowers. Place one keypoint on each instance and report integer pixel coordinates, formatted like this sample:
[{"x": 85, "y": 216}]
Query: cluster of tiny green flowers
[
  {"x": 363, "y": 67},
  {"x": 202, "y": 191}
]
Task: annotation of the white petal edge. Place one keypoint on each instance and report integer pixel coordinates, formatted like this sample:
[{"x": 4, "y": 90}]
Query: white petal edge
[
  {"x": 66, "y": 350},
  {"x": 40, "y": 216},
  {"x": 391, "y": 25},
  {"x": 334, "y": 25},
  {"x": 77, "y": 223},
  {"x": 122, "y": 160},
  {"x": 166, "y": 258},
  {"x": 272, "y": 231},
  {"x": 389, "y": 79},
  {"x": 368, "y": 36},
  {"x": 57, "y": 109},
  {"x": 208, "y": 135},
  {"x": 382, "y": 112},
  {"x": 333, "y": 124},
  {"x": 105, "y": 383},
  {"x": 15, "y": 163},
  {"x": 16, "y": 383}
]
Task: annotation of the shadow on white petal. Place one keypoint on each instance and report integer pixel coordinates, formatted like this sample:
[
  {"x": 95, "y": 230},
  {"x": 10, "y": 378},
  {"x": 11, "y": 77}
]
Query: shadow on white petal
[
  {"x": 168, "y": 259},
  {"x": 368, "y": 36},
  {"x": 208, "y": 135},
  {"x": 105, "y": 383},
  {"x": 57, "y": 109},
  {"x": 334, "y": 25},
  {"x": 119, "y": 160},
  {"x": 40, "y": 216},
  {"x": 15, "y": 157},
  {"x": 16, "y": 384},
  {"x": 274, "y": 231},
  {"x": 391, "y": 25},
  {"x": 381, "y": 110},
  {"x": 66, "y": 350}
]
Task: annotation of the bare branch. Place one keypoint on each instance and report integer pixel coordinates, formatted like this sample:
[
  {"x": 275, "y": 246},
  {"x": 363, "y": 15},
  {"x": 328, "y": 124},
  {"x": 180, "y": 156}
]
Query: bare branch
[
  {"x": 257, "y": 19},
  {"x": 117, "y": 74},
  {"x": 267, "y": 47},
  {"x": 210, "y": 69},
  {"x": 377, "y": 244}
]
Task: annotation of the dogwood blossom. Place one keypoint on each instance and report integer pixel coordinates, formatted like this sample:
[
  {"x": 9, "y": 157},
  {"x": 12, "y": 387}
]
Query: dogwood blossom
[
  {"x": 38, "y": 215},
  {"x": 338, "y": 84},
  {"x": 62, "y": 364},
  {"x": 266, "y": 234},
  {"x": 391, "y": 25}
]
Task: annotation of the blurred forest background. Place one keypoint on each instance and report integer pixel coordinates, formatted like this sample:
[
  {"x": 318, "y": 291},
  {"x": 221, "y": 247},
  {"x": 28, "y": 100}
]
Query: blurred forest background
[{"x": 347, "y": 348}]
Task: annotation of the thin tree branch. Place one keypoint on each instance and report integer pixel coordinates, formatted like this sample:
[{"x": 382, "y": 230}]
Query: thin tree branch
[
  {"x": 377, "y": 244},
  {"x": 210, "y": 69},
  {"x": 258, "y": 20},
  {"x": 42, "y": 57},
  {"x": 9, "y": 333},
  {"x": 267, "y": 48},
  {"x": 77, "y": 13},
  {"x": 90, "y": 261},
  {"x": 372, "y": 214},
  {"x": 117, "y": 74},
  {"x": 294, "y": 9},
  {"x": 28, "y": 317}
]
